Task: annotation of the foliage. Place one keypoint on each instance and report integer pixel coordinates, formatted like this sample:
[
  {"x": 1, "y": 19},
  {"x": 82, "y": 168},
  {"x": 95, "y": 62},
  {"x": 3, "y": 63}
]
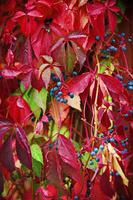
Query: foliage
[{"x": 65, "y": 101}]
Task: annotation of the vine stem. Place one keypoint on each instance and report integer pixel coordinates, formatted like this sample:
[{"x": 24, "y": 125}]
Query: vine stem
[{"x": 95, "y": 102}]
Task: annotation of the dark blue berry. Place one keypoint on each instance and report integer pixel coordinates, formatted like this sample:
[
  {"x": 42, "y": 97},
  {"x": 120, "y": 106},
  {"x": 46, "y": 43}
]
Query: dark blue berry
[
  {"x": 76, "y": 198},
  {"x": 97, "y": 38},
  {"x": 74, "y": 73},
  {"x": 126, "y": 115},
  {"x": 71, "y": 95},
  {"x": 96, "y": 150},
  {"x": 111, "y": 173},
  {"x": 65, "y": 101},
  {"x": 122, "y": 34},
  {"x": 55, "y": 88},
  {"x": 112, "y": 48},
  {"x": 117, "y": 174},
  {"x": 106, "y": 35},
  {"x": 91, "y": 162},
  {"x": 54, "y": 78},
  {"x": 125, "y": 128},
  {"x": 92, "y": 153},
  {"x": 58, "y": 99},
  {"x": 101, "y": 147},
  {"x": 79, "y": 155},
  {"x": 1, "y": 77},
  {"x": 130, "y": 87},
  {"x": 61, "y": 100},
  {"x": 129, "y": 40},
  {"x": 51, "y": 146},
  {"x": 57, "y": 79},
  {"x": 88, "y": 184},
  {"x": 59, "y": 93},
  {"x": 130, "y": 83},
  {"x": 104, "y": 51},
  {"x": 111, "y": 131},
  {"x": 59, "y": 84},
  {"x": 97, "y": 159},
  {"x": 113, "y": 41},
  {"x": 124, "y": 48},
  {"x": 112, "y": 139},
  {"x": 108, "y": 140},
  {"x": 118, "y": 76},
  {"x": 52, "y": 92},
  {"x": 124, "y": 151},
  {"x": 124, "y": 85}
]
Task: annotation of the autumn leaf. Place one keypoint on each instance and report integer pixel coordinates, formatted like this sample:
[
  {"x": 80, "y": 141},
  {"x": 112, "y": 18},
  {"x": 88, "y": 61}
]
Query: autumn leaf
[{"x": 59, "y": 112}]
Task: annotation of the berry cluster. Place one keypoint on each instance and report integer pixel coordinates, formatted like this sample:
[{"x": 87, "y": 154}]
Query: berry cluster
[
  {"x": 117, "y": 43},
  {"x": 56, "y": 90}
]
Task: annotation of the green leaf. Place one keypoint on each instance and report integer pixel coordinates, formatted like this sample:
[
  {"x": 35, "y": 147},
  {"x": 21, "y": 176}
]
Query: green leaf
[
  {"x": 121, "y": 5},
  {"x": 76, "y": 145},
  {"x": 36, "y": 100},
  {"x": 85, "y": 157},
  {"x": 37, "y": 153},
  {"x": 53, "y": 130},
  {"x": 22, "y": 88},
  {"x": 39, "y": 98},
  {"x": 70, "y": 58},
  {"x": 64, "y": 131},
  {"x": 37, "y": 167}
]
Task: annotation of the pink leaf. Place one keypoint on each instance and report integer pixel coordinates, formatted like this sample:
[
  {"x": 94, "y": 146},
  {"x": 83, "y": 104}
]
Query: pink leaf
[
  {"x": 9, "y": 57},
  {"x": 10, "y": 73},
  {"x": 49, "y": 192},
  {"x": 46, "y": 77},
  {"x": 39, "y": 127}
]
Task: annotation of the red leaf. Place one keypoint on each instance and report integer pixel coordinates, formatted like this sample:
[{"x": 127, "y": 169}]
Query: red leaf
[
  {"x": 26, "y": 57},
  {"x": 97, "y": 193},
  {"x": 106, "y": 185},
  {"x": 112, "y": 21},
  {"x": 67, "y": 152},
  {"x": 19, "y": 110},
  {"x": 112, "y": 84},
  {"x": 49, "y": 192},
  {"x": 22, "y": 147},
  {"x": 78, "y": 84},
  {"x": 96, "y": 8},
  {"x": 6, "y": 155},
  {"x": 71, "y": 172},
  {"x": 95, "y": 22},
  {"x": 1, "y": 183},
  {"x": 53, "y": 169},
  {"x": 44, "y": 37},
  {"x": 27, "y": 22}
]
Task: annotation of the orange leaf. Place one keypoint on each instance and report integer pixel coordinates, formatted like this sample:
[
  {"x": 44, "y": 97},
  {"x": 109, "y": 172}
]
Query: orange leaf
[{"x": 59, "y": 112}]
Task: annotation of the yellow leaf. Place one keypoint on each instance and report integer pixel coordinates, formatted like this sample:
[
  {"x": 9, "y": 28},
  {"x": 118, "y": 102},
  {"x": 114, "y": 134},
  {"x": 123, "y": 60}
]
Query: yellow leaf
[
  {"x": 112, "y": 151},
  {"x": 119, "y": 170},
  {"x": 49, "y": 59},
  {"x": 74, "y": 102}
]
